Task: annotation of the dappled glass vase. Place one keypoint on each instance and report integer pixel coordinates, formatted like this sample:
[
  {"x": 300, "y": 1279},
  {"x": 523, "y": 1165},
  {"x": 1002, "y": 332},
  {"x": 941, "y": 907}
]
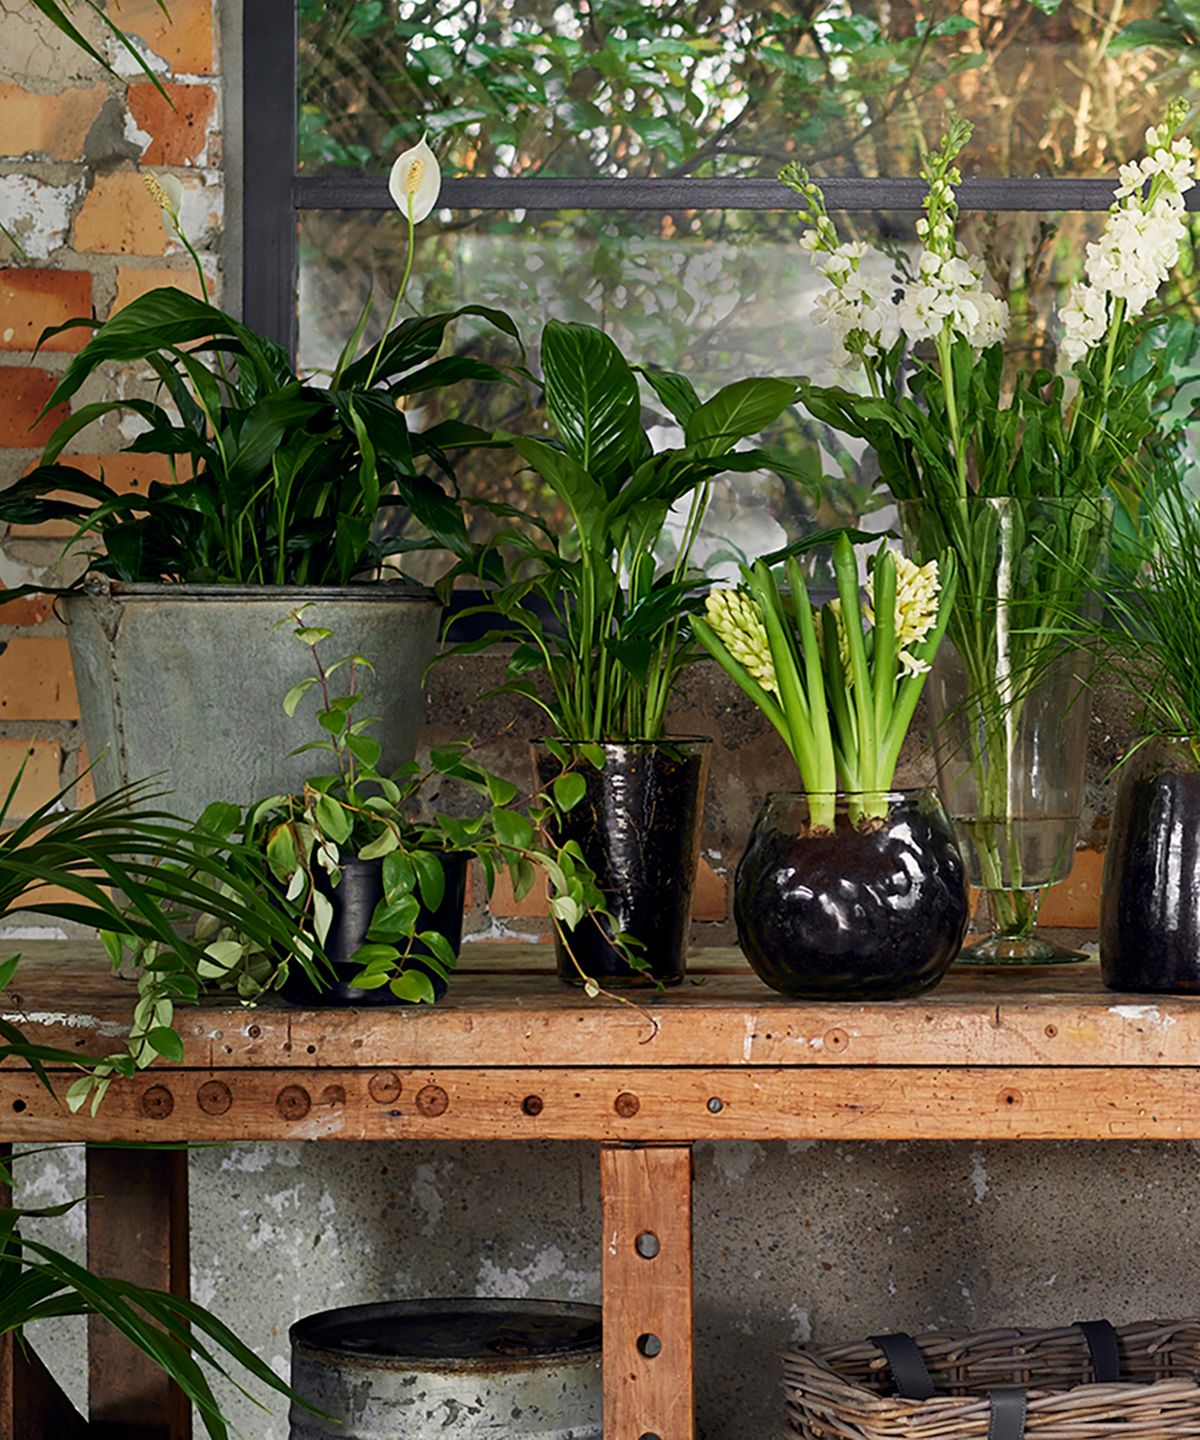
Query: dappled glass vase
[{"x": 1008, "y": 707}]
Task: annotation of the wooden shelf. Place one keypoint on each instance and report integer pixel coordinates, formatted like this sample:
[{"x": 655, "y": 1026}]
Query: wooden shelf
[{"x": 512, "y": 1054}]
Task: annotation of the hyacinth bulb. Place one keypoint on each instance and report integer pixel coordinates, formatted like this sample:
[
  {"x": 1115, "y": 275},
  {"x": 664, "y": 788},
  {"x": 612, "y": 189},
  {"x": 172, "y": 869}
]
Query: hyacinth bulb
[{"x": 415, "y": 182}]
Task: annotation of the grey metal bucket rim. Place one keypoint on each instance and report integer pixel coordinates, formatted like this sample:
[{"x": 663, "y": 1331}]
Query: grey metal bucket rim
[
  {"x": 314, "y": 1349},
  {"x": 378, "y": 590}
]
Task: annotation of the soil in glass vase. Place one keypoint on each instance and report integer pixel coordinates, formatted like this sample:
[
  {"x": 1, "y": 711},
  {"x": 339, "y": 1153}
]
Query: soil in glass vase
[
  {"x": 1008, "y": 706},
  {"x": 1150, "y": 900},
  {"x": 872, "y": 907},
  {"x": 638, "y": 827}
]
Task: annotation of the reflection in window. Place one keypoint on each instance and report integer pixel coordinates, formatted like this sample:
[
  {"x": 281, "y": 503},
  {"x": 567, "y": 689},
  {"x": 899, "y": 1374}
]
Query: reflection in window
[{"x": 658, "y": 88}]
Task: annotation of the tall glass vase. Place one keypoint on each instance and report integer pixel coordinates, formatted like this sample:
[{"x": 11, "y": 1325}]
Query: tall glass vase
[{"x": 1008, "y": 704}]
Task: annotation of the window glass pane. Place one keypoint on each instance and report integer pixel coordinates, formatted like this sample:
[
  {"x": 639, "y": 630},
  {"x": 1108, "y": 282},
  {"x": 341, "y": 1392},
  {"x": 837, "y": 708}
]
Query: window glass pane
[
  {"x": 718, "y": 295},
  {"x": 656, "y": 88}
]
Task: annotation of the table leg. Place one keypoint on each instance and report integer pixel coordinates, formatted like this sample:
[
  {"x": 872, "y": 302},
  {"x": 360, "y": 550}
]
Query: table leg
[
  {"x": 137, "y": 1229},
  {"x": 646, "y": 1200}
]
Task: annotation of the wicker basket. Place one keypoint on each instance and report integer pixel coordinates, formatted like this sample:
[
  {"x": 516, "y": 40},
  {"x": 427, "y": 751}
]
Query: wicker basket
[{"x": 845, "y": 1392}]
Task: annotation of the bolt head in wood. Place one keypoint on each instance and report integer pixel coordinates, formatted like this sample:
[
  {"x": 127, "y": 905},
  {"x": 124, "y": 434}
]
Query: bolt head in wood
[
  {"x": 432, "y": 1101},
  {"x": 293, "y": 1102},
  {"x": 384, "y": 1087}
]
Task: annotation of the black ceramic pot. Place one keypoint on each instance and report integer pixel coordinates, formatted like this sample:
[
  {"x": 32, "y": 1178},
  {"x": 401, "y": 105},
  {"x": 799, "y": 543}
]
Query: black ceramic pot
[
  {"x": 354, "y": 901},
  {"x": 638, "y": 827},
  {"x": 1150, "y": 898},
  {"x": 870, "y": 909}
]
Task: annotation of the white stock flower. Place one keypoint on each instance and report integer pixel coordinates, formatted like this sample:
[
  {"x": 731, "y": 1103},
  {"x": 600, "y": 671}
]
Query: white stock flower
[
  {"x": 861, "y": 319},
  {"x": 1085, "y": 322},
  {"x": 415, "y": 182},
  {"x": 950, "y": 290}
]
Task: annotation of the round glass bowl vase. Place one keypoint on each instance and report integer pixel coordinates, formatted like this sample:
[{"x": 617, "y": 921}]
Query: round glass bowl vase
[{"x": 851, "y": 897}]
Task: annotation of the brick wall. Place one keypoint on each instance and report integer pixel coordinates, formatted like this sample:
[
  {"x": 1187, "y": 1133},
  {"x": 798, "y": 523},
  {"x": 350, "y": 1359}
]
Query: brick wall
[{"x": 73, "y": 142}]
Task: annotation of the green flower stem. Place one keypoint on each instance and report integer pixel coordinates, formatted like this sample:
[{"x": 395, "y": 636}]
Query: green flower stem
[
  {"x": 399, "y": 300},
  {"x": 845, "y": 570}
]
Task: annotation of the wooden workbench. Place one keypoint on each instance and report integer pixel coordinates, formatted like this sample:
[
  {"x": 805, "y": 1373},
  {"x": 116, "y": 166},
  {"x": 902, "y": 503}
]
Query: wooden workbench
[{"x": 512, "y": 1054}]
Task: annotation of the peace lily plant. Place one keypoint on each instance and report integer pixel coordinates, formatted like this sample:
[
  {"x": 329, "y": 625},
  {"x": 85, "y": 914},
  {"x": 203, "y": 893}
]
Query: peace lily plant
[
  {"x": 280, "y": 477},
  {"x": 840, "y": 684}
]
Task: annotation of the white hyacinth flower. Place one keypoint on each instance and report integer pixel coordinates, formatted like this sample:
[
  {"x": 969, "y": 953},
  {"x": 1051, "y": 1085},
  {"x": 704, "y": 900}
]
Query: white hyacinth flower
[{"x": 416, "y": 182}]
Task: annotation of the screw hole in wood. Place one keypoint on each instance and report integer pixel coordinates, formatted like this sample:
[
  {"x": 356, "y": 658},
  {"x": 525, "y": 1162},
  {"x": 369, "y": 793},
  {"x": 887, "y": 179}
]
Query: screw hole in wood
[{"x": 647, "y": 1245}]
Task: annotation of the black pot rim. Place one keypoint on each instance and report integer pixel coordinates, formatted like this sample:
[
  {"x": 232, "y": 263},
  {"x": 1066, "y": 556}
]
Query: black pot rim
[{"x": 628, "y": 744}]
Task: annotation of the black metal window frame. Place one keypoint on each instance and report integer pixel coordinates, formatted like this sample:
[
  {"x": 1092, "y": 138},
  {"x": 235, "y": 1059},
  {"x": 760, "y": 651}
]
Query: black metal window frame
[{"x": 275, "y": 194}]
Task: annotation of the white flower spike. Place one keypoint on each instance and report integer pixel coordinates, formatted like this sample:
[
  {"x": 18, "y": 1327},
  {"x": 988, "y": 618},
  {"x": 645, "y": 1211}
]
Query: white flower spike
[
  {"x": 416, "y": 182},
  {"x": 167, "y": 190}
]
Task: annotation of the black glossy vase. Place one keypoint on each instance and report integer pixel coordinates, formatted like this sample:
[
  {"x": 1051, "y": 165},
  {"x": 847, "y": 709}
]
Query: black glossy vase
[
  {"x": 871, "y": 908},
  {"x": 1150, "y": 899},
  {"x": 638, "y": 827},
  {"x": 354, "y": 901}
]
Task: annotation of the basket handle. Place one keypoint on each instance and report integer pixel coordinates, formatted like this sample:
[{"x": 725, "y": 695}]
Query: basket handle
[
  {"x": 1007, "y": 1420},
  {"x": 910, "y": 1374},
  {"x": 1106, "y": 1351}
]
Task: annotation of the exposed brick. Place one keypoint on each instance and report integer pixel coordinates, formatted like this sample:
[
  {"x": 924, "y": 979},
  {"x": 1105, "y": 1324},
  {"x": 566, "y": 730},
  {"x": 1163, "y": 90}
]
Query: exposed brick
[
  {"x": 24, "y": 390},
  {"x": 1075, "y": 901},
  {"x": 27, "y": 610},
  {"x": 36, "y": 682},
  {"x": 31, "y": 300},
  {"x": 184, "y": 39},
  {"x": 134, "y": 281},
  {"x": 39, "y": 782},
  {"x": 708, "y": 898},
  {"x": 124, "y": 472},
  {"x": 120, "y": 217},
  {"x": 179, "y": 130},
  {"x": 51, "y": 125},
  {"x": 85, "y": 786}
]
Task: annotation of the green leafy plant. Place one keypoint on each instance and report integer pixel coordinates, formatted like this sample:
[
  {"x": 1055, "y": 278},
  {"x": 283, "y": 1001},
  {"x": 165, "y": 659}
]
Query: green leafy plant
[
  {"x": 841, "y": 694},
  {"x": 64, "y": 865},
  {"x": 596, "y": 612},
  {"x": 278, "y": 480},
  {"x": 297, "y": 846}
]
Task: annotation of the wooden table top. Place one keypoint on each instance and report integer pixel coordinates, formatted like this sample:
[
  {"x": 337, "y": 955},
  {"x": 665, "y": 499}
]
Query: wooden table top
[{"x": 512, "y": 1053}]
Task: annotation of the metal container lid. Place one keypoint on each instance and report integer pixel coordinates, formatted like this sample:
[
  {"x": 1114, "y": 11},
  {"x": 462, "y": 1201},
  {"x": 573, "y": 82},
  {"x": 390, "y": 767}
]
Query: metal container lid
[{"x": 453, "y": 1333}]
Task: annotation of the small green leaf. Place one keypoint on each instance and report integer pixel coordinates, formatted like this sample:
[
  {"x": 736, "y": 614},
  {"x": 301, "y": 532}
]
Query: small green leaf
[
  {"x": 569, "y": 790},
  {"x": 364, "y": 748},
  {"x": 225, "y": 953},
  {"x": 590, "y": 988},
  {"x": 296, "y": 693},
  {"x": 312, "y": 634},
  {"x": 439, "y": 946},
  {"x": 501, "y": 791},
  {"x": 374, "y": 980},
  {"x": 432, "y": 877},
  {"x": 398, "y": 919},
  {"x": 383, "y": 844},
  {"x": 282, "y": 855},
  {"x": 374, "y": 954},
  {"x": 332, "y": 720},
  {"x": 78, "y": 1092},
  {"x": 220, "y": 819},
  {"x": 165, "y": 1042},
  {"x": 594, "y": 755},
  {"x": 9, "y": 969},
  {"x": 414, "y": 985},
  {"x": 567, "y": 909},
  {"x": 332, "y": 819},
  {"x": 399, "y": 876}
]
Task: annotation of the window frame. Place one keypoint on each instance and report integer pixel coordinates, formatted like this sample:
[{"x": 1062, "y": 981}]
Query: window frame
[{"x": 275, "y": 194}]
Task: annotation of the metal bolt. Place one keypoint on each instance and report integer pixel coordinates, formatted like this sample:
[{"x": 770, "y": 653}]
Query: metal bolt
[
  {"x": 214, "y": 1097},
  {"x": 647, "y": 1245},
  {"x": 293, "y": 1102},
  {"x": 716, "y": 1105},
  {"x": 158, "y": 1102},
  {"x": 627, "y": 1105},
  {"x": 432, "y": 1101},
  {"x": 384, "y": 1087}
]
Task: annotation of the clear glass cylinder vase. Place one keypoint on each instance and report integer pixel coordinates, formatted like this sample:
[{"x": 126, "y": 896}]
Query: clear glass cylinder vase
[{"x": 1008, "y": 703}]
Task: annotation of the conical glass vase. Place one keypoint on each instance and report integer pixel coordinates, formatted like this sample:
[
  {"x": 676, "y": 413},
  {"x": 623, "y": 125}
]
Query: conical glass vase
[{"x": 1008, "y": 706}]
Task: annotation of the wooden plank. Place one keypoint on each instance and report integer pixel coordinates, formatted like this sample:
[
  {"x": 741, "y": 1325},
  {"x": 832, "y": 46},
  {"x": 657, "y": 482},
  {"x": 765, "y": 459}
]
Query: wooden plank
[
  {"x": 646, "y": 1200},
  {"x": 871, "y": 1103},
  {"x": 43, "y": 1412},
  {"x": 7, "y": 1344},
  {"x": 1057, "y": 1017},
  {"x": 138, "y": 1229}
]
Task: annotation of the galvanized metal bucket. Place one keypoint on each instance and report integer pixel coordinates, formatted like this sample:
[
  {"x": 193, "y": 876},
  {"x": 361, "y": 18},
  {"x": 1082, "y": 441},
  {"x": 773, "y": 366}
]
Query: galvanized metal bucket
[
  {"x": 454, "y": 1369},
  {"x": 185, "y": 683}
]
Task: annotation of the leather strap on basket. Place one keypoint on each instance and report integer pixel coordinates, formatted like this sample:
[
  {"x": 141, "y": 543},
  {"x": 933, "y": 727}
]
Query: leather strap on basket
[
  {"x": 1008, "y": 1413},
  {"x": 1106, "y": 1351},
  {"x": 910, "y": 1374}
]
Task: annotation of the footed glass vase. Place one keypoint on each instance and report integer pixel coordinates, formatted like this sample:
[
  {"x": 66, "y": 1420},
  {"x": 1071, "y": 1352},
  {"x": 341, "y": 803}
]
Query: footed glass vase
[{"x": 1008, "y": 705}]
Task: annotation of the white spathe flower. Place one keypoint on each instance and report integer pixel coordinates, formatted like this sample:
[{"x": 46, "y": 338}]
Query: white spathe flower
[
  {"x": 416, "y": 182},
  {"x": 167, "y": 190}
]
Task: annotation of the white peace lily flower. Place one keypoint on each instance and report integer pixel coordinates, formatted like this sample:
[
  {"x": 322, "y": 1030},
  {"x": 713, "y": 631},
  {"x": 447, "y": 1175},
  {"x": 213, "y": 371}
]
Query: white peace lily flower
[
  {"x": 167, "y": 190},
  {"x": 416, "y": 182}
]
